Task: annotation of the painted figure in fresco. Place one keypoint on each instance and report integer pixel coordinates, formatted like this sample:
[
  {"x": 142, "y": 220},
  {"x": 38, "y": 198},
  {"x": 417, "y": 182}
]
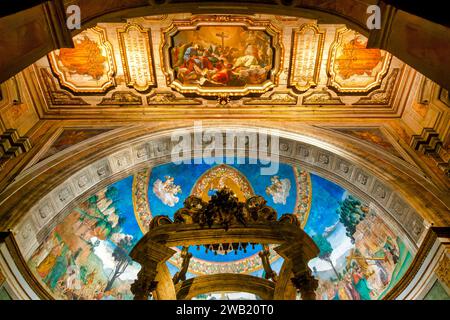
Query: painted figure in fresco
[
  {"x": 391, "y": 250},
  {"x": 279, "y": 189},
  {"x": 46, "y": 266},
  {"x": 59, "y": 269},
  {"x": 210, "y": 64},
  {"x": 360, "y": 283},
  {"x": 73, "y": 281},
  {"x": 353, "y": 293}
]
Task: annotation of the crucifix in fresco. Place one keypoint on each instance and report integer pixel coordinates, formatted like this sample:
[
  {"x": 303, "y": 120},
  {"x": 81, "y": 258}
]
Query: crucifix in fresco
[{"x": 222, "y": 37}]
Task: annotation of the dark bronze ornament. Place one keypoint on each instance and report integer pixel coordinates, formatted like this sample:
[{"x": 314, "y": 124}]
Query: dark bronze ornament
[{"x": 224, "y": 209}]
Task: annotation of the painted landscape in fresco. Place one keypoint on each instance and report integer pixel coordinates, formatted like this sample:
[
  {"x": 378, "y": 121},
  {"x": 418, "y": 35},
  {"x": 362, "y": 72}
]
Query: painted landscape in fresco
[
  {"x": 86, "y": 255},
  {"x": 221, "y": 56}
]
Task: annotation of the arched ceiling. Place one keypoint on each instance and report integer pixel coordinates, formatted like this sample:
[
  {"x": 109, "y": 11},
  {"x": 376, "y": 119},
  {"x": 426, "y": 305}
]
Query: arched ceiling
[
  {"x": 81, "y": 247},
  {"x": 111, "y": 195},
  {"x": 181, "y": 65},
  {"x": 93, "y": 189}
]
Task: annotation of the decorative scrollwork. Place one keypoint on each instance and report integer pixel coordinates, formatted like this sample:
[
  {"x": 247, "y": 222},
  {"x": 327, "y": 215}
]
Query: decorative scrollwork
[
  {"x": 224, "y": 209},
  {"x": 290, "y": 218},
  {"x": 159, "y": 220}
]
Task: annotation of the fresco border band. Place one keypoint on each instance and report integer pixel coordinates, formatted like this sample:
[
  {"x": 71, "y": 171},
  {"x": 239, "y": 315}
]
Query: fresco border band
[{"x": 216, "y": 146}]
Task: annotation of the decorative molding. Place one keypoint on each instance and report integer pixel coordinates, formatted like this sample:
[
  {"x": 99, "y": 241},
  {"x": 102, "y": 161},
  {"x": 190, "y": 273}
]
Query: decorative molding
[
  {"x": 381, "y": 96},
  {"x": 12, "y": 145},
  {"x": 306, "y": 57},
  {"x": 444, "y": 97},
  {"x": 169, "y": 98},
  {"x": 425, "y": 91},
  {"x": 275, "y": 98},
  {"x": 56, "y": 96},
  {"x": 428, "y": 142},
  {"x": 159, "y": 17},
  {"x": 121, "y": 98},
  {"x": 321, "y": 97},
  {"x": 443, "y": 270}
]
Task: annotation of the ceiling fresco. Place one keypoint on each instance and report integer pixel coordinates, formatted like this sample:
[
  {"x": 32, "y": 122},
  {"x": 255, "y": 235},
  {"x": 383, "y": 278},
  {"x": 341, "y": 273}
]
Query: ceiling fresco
[
  {"x": 353, "y": 67},
  {"x": 183, "y": 60},
  {"x": 86, "y": 255},
  {"x": 89, "y": 67},
  {"x": 208, "y": 56}
]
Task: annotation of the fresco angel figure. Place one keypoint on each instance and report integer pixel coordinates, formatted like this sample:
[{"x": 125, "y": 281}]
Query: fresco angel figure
[
  {"x": 279, "y": 189},
  {"x": 166, "y": 191}
]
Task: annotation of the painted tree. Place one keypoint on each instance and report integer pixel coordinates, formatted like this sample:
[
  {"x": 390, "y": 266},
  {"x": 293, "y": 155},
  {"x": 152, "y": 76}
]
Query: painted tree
[
  {"x": 112, "y": 193},
  {"x": 325, "y": 250},
  {"x": 350, "y": 214},
  {"x": 121, "y": 260}
]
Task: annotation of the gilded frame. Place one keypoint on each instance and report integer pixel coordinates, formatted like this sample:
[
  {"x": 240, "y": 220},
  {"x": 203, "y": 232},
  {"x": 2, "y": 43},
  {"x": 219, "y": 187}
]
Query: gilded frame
[
  {"x": 332, "y": 74},
  {"x": 247, "y": 23},
  {"x": 130, "y": 80},
  {"x": 314, "y": 80},
  {"x": 65, "y": 79}
]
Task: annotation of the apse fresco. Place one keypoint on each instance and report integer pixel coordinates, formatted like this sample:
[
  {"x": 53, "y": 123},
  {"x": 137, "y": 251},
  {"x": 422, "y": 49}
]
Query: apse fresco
[{"x": 86, "y": 255}]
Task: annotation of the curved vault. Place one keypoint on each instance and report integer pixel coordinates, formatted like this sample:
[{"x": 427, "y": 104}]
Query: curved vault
[{"x": 354, "y": 166}]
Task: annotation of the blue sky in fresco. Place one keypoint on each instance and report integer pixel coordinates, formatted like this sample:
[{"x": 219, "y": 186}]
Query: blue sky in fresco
[
  {"x": 323, "y": 214},
  {"x": 124, "y": 206},
  {"x": 324, "y": 203},
  {"x": 186, "y": 175}
]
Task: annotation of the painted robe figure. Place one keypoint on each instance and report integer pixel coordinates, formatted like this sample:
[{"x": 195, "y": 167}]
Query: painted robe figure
[
  {"x": 360, "y": 283},
  {"x": 58, "y": 270}
]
